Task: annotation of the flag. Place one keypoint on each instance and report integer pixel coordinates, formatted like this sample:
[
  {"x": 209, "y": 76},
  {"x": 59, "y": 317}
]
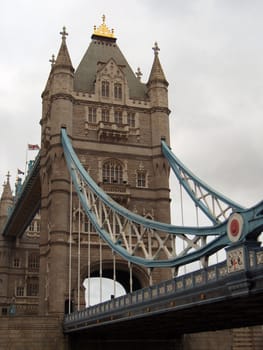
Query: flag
[
  {"x": 32, "y": 147},
  {"x": 20, "y": 172}
]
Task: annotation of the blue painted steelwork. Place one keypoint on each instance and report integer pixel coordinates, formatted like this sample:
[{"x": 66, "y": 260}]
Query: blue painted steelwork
[
  {"x": 253, "y": 217},
  {"x": 24, "y": 190},
  {"x": 178, "y": 168}
]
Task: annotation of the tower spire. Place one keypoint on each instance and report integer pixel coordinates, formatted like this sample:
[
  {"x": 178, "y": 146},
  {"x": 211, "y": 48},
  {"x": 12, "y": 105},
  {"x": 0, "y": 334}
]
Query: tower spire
[
  {"x": 7, "y": 193},
  {"x": 63, "y": 58},
  {"x": 157, "y": 73}
]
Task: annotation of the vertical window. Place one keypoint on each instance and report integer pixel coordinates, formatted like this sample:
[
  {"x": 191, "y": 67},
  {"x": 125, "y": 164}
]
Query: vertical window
[
  {"x": 117, "y": 91},
  {"x": 105, "y": 88},
  {"x": 105, "y": 115},
  {"x": 118, "y": 117},
  {"x": 78, "y": 221},
  {"x": 38, "y": 226},
  {"x": 92, "y": 115},
  {"x": 112, "y": 172},
  {"x": 19, "y": 291},
  {"x": 32, "y": 226},
  {"x": 32, "y": 287},
  {"x": 141, "y": 179},
  {"x": 16, "y": 262},
  {"x": 88, "y": 227},
  {"x": 131, "y": 119},
  {"x": 33, "y": 262}
]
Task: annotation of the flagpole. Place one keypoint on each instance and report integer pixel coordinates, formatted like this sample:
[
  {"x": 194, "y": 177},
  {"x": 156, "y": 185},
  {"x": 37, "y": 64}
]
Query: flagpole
[{"x": 26, "y": 158}]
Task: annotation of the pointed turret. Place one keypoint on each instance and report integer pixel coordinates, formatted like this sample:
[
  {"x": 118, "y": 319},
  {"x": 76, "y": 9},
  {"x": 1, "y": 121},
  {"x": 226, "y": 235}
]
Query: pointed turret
[
  {"x": 157, "y": 83},
  {"x": 6, "y": 202},
  {"x": 158, "y": 94},
  {"x": 157, "y": 74},
  {"x": 63, "y": 58},
  {"x": 58, "y": 94}
]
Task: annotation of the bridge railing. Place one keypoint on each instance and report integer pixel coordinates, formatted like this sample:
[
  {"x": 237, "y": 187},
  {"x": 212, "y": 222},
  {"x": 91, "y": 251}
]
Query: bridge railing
[{"x": 148, "y": 296}]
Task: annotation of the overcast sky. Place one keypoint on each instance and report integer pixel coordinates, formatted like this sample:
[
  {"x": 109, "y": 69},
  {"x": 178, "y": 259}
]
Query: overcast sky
[{"x": 212, "y": 55}]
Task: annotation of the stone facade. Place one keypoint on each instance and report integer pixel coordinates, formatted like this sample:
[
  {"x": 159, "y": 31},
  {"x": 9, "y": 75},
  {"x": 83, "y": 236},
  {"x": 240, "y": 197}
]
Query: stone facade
[{"x": 115, "y": 122}]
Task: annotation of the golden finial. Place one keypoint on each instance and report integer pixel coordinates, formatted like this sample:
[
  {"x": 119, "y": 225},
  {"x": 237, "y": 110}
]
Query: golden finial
[{"x": 103, "y": 30}]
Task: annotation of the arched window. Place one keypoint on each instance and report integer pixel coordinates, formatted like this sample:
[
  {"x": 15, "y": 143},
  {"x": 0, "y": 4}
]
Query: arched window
[
  {"x": 112, "y": 172},
  {"x": 117, "y": 90},
  {"x": 105, "y": 88}
]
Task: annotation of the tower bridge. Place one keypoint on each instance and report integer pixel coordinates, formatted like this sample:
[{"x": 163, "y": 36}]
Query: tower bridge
[{"x": 100, "y": 189}]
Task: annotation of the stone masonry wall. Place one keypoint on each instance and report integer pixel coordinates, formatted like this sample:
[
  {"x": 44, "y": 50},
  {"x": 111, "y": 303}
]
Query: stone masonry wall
[{"x": 34, "y": 333}]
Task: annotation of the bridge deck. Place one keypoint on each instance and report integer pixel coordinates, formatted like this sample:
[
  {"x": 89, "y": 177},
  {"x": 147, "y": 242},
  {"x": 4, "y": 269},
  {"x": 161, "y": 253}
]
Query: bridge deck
[
  {"x": 27, "y": 204},
  {"x": 209, "y": 299}
]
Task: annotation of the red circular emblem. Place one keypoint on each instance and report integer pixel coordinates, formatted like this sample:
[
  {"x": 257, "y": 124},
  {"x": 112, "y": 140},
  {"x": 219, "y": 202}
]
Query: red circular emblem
[{"x": 234, "y": 227}]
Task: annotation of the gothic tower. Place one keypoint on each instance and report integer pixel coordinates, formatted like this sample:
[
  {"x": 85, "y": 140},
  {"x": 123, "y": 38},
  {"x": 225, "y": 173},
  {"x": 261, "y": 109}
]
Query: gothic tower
[
  {"x": 6, "y": 204},
  {"x": 115, "y": 123}
]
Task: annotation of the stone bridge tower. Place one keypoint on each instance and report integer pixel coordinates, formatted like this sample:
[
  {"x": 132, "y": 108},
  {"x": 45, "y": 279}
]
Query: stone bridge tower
[{"x": 115, "y": 123}]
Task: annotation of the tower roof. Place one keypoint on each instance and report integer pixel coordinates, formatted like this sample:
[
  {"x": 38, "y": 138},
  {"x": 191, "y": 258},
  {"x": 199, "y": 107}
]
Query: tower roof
[
  {"x": 63, "y": 58},
  {"x": 157, "y": 73},
  {"x": 7, "y": 193},
  {"x": 102, "y": 48}
]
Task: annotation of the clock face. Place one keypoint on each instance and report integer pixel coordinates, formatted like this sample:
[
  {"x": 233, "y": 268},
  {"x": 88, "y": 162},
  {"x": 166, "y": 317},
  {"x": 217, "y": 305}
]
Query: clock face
[{"x": 234, "y": 227}]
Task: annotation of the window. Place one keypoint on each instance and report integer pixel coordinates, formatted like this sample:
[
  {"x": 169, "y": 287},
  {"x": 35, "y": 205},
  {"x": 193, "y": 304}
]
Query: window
[
  {"x": 112, "y": 172},
  {"x": 92, "y": 118},
  {"x": 105, "y": 88},
  {"x": 118, "y": 117},
  {"x": 117, "y": 91},
  {"x": 38, "y": 225},
  {"x": 105, "y": 115},
  {"x": 19, "y": 291},
  {"x": 88, "y": 227},
  {"x": 4, "y": 311},
  {"x": 16, "y": 262},
  {"x": 131, "y": 119},
  {"x": 32, "y": 226},
  {"x": 32, "y": 287},
  {"x": 141, "y": 179},
  {"x": 33, "y": 262}
]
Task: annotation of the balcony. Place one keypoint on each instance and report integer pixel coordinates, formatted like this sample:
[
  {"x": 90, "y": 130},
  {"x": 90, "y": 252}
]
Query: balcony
[
  {"x": 119, "y": 192},
  {"x": 109, "y": 130}
]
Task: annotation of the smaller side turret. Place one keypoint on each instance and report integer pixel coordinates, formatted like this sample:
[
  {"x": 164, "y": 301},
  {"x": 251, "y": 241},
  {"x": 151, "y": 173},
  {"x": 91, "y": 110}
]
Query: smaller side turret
[
  {"x": 157, "y": 88},
  {"x": 57, "y": 96},
  {"x": 157, "y": 83},
  {"x": 6, "y": 202}
]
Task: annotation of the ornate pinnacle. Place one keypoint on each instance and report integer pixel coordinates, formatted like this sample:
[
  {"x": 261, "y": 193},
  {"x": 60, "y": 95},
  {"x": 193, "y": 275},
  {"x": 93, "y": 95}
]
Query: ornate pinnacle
[
  {"x": 103, "y": 30},
  {"x": 52, "y": 60},
  {"x": 138, "y": 73},
  {"x": 156, "y": 49},
  {"x": 63, "y": 33}
]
